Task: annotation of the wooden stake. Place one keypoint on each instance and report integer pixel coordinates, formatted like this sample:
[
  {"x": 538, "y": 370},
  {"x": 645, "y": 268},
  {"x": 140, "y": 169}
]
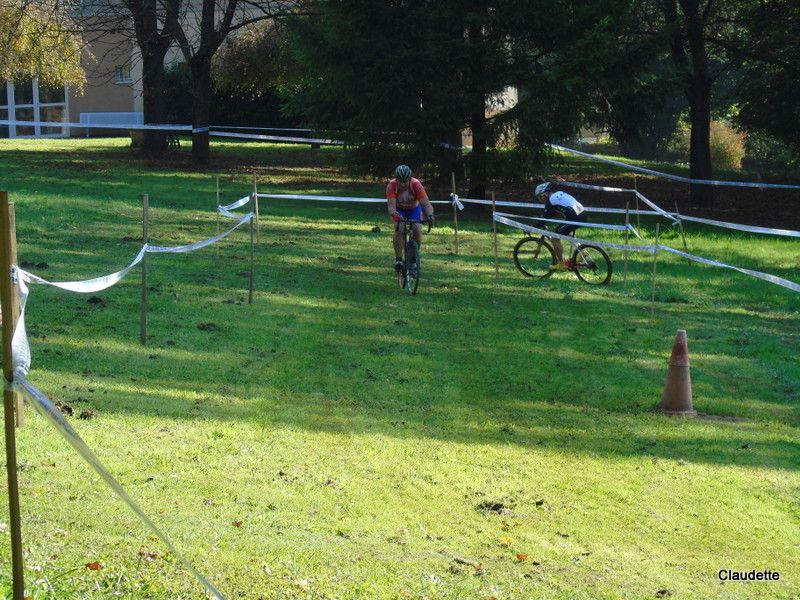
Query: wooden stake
[
  {"x": 494, "y": 235},
  {"x": 680, "y": 224},
  {"x": 145, "y": 239},
  {"x": 10, "y": 307},
  {"x": 216, "y": 210},
  {"x": 455, "y": 210},
  {"x": 252, "y": 259},
  {"x": 627, "y": 237},
  {"x": 653, "y": 292},
  {"x": 255, "y": 208}
]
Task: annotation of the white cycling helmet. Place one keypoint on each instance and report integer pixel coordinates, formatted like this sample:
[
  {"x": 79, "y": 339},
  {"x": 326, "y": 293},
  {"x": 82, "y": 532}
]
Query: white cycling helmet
[{"x": 542, "y": 188}]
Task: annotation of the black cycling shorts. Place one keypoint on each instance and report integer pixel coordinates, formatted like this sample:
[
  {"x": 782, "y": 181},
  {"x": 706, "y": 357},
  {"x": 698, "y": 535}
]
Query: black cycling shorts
[{"x": 563, "y": 213}]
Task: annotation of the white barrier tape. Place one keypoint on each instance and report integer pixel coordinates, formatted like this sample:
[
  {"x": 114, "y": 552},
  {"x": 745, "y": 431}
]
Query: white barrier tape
[
  {"x": 714, "y": 182},
  {"x": 106, "y": 281},
  {"x": 680, "y": 217},
  {"x": 51, "y": 413},
  {"x": 579, "y": 223},
  {"x": 66, "y": 125},
  {"x": 658, "y": 209},
  {"x": 89, "y": 285},
  {"x": 747, "y": 228},
  {"x": 586, "y": 186},
  {"x": 673, "y": 217},
  {"x": 276, "y": 138},
  {"x": 456, "y": 202},
  {"x": 186, "y": 128},
  {"x": 382, "y": 200},
  {"x": 226, "y": 210},
  {"x": 322, "y": 198},
  {"x": 20, "y": 349},
  {"x": 202, "y": 243},
  {"x": 343, "y": 199},
  {"x": 765, "y": 276},
  {"x": 571, "y": 239},
  {"x": 502, "y": 203},
  {"x": 261, "y": 128}
]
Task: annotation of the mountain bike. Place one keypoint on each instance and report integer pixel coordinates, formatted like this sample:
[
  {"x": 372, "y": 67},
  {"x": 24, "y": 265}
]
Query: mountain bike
[
  {"x": 408, "y": 275},
  {"x": 535, "y": 257}
]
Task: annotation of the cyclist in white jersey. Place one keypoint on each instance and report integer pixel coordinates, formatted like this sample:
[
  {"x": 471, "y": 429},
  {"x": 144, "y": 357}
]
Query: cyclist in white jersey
[{"x": 563, "y": 207}]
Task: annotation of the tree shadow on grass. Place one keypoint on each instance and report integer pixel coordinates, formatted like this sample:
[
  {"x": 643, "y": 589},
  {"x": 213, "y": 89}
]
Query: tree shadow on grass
[{"x": 353, "y": 354}]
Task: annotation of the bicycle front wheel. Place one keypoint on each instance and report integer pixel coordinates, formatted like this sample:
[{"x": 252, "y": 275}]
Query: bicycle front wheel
[
  {"x": 411, "y": 267},
  {"x": 534, "y": 257},
  {"x": 592, "y": 265}
]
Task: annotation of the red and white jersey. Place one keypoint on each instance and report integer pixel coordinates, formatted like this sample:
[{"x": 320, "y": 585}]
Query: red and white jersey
[{"x": 408, "y": 198}]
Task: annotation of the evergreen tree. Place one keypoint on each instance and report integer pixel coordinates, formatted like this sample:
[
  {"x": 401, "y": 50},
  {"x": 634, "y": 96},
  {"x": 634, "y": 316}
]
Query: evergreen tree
[{"x": 404, "y": 76}]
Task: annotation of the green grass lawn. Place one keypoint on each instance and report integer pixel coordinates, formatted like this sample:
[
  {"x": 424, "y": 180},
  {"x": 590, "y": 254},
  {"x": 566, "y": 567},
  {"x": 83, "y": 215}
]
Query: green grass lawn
[{"x": 341, "y": 439}]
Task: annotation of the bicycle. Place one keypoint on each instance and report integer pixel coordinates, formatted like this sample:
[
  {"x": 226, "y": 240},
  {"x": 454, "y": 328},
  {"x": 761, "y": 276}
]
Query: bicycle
[
  {"x": 535, "y": 257},
  {"x": 408, "y": 274}
]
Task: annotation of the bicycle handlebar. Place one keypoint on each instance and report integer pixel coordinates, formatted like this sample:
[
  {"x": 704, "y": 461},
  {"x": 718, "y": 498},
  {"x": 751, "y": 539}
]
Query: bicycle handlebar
[{"x": 428, "y": 221}]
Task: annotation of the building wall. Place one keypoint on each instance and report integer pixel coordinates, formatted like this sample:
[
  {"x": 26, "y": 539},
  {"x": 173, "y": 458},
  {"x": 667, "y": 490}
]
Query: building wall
[{"x": 113, "y": 82}]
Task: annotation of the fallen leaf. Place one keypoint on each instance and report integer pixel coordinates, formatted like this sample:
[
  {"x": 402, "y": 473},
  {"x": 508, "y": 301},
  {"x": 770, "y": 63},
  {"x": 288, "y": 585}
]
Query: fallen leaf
[
  {"x": 522, "y": 557},
  {"x": 94, "y": 566},
  {"x": 236, "y": 523}
]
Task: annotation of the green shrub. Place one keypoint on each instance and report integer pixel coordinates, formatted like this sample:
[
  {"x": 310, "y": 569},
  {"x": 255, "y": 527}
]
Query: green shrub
[{"x": 764, "y": 152}]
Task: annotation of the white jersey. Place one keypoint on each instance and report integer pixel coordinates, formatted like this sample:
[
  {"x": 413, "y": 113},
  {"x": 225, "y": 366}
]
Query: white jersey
[{"x": 565, "y": 200}]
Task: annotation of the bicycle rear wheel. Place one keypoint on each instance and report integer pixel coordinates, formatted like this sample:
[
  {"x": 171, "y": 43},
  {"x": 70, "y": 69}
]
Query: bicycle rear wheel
[
  {"x": 411, "y": 267},
  {"x": 534, "y": 257},
  {"x": 592, "y": 265}
]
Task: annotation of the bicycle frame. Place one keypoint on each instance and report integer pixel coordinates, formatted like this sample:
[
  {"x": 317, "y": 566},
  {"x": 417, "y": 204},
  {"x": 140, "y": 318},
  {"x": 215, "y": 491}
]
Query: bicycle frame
[
  {"x": 408, "y": 276},
  {"x": 590, "y": 263}
]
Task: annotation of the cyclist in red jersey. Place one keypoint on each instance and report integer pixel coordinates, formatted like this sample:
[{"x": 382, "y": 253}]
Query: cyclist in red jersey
[{"x": 406, "y": 197}]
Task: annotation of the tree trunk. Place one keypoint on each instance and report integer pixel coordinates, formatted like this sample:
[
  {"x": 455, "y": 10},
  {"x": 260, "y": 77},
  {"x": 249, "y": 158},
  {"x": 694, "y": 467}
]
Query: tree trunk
[
  {"x": 201, "y": 108},
  {"x": 477, "y": 158},
  {"x": 477, "y": 117},
  {"x": 155, "y": 141},
  {"x": 700, "y": 143},
  {"x": 153, "y": 46},
  {"x": 450, "y": 153},
  {"x": 699, "y": 96}
]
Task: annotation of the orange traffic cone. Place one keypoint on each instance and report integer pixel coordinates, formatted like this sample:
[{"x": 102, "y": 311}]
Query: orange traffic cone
[{"x": 677, "y": 398}]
